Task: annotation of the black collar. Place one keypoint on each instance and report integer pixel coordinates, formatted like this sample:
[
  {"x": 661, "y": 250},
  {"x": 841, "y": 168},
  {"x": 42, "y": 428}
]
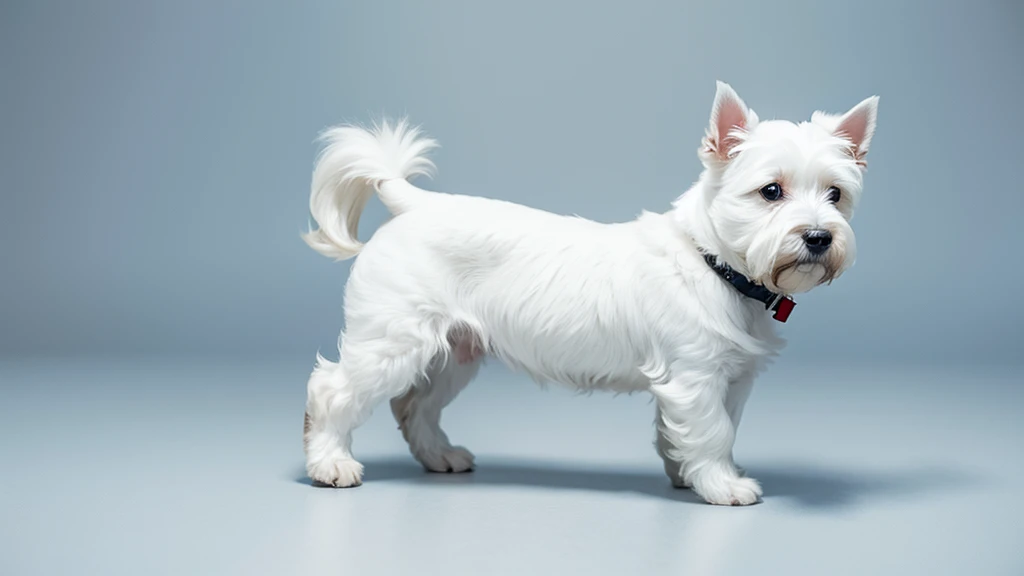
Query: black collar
[{"x": 781, "y": 304}]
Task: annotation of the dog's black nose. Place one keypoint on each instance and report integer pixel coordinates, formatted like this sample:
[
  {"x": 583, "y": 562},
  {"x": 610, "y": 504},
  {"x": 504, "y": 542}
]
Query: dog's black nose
[{"x": 817, "y": 241}]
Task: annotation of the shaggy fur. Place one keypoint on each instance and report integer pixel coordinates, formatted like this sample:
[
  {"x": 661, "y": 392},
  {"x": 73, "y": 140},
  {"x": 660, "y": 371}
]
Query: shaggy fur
[{"x": 623, "y": 307}]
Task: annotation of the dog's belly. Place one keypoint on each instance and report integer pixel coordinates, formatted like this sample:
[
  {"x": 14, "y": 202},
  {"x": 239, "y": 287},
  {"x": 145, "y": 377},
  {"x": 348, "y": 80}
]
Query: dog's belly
[
  {"x": 578, "y": 372},
  {"x": 565, "y": 334}
]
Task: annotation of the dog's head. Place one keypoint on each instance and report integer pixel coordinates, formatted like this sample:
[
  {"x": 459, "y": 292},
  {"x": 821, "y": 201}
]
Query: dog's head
[{"x": 779, "y": 195}]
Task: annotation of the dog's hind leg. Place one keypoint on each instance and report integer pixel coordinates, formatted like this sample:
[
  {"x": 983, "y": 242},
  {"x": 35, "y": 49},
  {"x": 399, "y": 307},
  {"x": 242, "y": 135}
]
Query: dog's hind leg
[
  {"x": 342, "y": 396},
  {"x": 418, "y": 411}
]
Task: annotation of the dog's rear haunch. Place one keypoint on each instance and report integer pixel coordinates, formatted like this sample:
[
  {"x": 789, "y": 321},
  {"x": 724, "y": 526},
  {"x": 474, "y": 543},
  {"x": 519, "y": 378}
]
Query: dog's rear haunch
[{"x": 625, "y": 307}]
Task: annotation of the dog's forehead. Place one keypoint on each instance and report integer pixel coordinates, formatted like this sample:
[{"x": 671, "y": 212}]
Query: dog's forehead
[
  {"x": 806, "y": 153},
  {"x": 806, "y": 139}
]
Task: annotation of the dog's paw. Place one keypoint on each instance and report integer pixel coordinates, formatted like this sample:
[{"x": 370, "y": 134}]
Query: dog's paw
[
  {"x": 451, "y": 459},
  {"x": 336, "y": 472},
  {"x": 730, "y": 491}
]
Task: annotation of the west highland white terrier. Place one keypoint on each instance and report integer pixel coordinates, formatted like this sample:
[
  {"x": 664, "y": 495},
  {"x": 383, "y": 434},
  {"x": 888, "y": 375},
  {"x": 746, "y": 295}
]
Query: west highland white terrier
[{"x": 680, "y": 304}]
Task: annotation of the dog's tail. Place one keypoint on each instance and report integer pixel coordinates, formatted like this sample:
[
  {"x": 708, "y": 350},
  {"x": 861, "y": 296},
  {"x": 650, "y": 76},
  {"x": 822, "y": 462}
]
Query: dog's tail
[{"x": 354, "y": 164}]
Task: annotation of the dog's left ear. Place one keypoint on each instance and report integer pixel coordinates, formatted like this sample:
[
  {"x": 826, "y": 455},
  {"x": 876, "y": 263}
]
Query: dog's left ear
[
  {"x": 857, "y": 126},
  {"x": 730, "y": 121}
]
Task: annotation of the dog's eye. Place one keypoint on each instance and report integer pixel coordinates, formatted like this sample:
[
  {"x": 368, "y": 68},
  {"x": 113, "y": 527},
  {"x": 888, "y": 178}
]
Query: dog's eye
[
  {"x": 772, "y": 192},
  {"x": 834, "y": 195}
]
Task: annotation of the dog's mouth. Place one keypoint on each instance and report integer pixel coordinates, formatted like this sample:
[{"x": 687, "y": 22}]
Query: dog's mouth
[{"x": 802, "y": 274}]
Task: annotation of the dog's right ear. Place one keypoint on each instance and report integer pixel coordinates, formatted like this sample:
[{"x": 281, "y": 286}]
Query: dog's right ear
[{"x": 731, "y": 120}]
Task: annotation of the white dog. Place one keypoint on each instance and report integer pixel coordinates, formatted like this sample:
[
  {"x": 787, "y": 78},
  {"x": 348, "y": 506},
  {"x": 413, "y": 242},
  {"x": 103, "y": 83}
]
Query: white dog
[{"x": 679, "y": 304}]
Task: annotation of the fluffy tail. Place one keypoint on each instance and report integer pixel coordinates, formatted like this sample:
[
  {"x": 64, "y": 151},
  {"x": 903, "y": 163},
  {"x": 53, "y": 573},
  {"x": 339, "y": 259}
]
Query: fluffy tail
[{"x": 351, "y": 167}]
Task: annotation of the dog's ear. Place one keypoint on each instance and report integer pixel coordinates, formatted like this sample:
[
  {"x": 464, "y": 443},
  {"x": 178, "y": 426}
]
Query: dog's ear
[
  {"x": 731, "y": 120},
  {"x": 857, "y": 126}
]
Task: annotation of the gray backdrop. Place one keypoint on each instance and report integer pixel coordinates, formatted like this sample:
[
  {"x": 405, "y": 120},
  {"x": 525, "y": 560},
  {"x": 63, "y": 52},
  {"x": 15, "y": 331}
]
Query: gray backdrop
[{"x": 156, "y": 157}]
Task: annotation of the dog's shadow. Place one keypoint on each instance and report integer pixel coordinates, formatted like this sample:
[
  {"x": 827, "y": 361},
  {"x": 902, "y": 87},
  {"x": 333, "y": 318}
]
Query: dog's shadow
[{"x": 803, "y": 485}]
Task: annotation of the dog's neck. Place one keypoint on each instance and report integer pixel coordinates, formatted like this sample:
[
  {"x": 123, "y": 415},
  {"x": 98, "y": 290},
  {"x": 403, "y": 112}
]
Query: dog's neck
[{"x": 690, "y": 216}]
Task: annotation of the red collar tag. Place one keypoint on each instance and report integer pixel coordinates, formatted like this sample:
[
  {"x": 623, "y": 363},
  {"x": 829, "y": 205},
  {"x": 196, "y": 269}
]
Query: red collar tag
[{"x": 783, "y": 309}]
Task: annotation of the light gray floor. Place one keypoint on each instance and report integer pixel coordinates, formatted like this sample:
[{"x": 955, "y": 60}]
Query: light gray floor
[{"x": 195, "y": 468}]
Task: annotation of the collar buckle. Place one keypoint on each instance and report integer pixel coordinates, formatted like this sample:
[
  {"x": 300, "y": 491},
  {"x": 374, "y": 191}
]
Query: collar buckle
[{"x": 783, "y": 308}]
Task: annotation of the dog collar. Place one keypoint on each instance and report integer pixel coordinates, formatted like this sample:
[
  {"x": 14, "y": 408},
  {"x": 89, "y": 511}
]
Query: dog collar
[{"x": 781, "y": 304}]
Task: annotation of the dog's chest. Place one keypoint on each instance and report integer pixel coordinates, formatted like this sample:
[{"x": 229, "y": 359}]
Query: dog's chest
[{"x": 728, "y": 330}]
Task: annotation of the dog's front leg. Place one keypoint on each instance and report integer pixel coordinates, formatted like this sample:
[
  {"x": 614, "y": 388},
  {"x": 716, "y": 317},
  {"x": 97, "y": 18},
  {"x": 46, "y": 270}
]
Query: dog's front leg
[
  {"x": 736, "y": 398},
  {"x": 697, "y": 430},
  {"x": 668, "y": 453}
]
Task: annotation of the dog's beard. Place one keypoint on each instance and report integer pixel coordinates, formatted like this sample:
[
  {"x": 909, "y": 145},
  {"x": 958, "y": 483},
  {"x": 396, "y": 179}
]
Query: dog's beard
[
  {"x": 801, "y": 275},
  {"x": 793, "y": 270}
]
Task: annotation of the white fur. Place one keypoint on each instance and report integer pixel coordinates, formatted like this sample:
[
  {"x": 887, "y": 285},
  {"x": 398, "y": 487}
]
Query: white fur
[{"x": 622, "y": 307}]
